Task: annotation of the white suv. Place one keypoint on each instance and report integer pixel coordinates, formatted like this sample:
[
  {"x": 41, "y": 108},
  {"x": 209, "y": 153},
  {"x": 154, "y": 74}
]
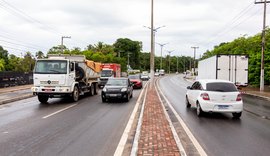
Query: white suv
[{"x": 214, "y": 96}]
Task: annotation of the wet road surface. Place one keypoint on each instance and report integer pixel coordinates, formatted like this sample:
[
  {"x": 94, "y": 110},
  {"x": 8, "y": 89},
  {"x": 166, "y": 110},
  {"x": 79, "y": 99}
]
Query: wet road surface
[
  {"x": 87, "y": 127},
  {"x": 220, "y": 134}
]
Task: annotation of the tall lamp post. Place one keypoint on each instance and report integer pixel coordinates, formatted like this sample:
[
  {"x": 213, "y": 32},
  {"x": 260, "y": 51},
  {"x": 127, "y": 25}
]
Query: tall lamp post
[
  {"x": 194, "y": 59},
  {"x": 62, "y": 42},
  {"x": 161, "y": 48},
  {"x": 263, "y": 44},
  {"x": 170, "y": 60}
]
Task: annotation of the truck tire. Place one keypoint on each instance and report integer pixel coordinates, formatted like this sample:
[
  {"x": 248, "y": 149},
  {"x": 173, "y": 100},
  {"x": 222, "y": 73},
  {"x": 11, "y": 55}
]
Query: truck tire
[
  {"x": 75, "y": 94},
  {"x": 43, "y": 99},
  {"x": 95, "y": 89},
  {"x": 79, "y": 73},
  {"x": 92, "y": 90}
]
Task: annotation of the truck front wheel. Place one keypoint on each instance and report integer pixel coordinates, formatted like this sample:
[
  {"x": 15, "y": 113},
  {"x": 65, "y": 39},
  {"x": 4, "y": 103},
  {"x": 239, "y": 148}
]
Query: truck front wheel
[
  {"x": 43, "y": 99},
  {"x": 75, "y": 94}
]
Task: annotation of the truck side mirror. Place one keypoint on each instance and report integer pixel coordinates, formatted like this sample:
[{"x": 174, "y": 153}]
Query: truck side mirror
[{"x": 71, "y": 66}]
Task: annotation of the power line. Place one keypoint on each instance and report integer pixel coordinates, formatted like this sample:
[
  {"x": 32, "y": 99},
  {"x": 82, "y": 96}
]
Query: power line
[
  {"x": 226, "y": 27},
  {"x": 18, "y": 13},
  {"x": 19, "y": 44},
  {"x": 229, "y": 29}
]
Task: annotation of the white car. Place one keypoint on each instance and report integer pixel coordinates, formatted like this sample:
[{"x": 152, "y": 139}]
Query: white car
[{"x": 214, "y": 96}]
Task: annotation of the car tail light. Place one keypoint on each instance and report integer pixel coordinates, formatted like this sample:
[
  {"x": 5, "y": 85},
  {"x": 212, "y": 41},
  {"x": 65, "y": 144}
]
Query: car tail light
[
  {"x": 205, "y": 96},
  {"x": 239, "y": 97}
]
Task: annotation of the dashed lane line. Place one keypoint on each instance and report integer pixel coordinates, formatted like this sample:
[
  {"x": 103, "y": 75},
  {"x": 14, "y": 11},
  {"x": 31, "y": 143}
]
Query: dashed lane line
[{"x": 59, "y": 111}]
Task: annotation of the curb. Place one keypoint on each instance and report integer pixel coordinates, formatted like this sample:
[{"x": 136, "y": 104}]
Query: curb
[
  {"x": 16, "y": 99},
  {"x": 259, "y": 96}
]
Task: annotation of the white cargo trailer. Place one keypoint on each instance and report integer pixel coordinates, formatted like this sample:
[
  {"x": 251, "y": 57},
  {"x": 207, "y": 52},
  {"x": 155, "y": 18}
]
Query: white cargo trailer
[{"x": 225, "y": 67}]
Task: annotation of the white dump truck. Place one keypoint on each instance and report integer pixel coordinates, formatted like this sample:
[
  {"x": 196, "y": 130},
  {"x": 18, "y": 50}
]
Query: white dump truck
[
  {"x": 65, "y": 76},
  {"x": 233, "y": 68}
]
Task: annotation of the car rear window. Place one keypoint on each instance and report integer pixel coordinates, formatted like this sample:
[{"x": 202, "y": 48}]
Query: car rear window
[{"x": 221, "y": 87}]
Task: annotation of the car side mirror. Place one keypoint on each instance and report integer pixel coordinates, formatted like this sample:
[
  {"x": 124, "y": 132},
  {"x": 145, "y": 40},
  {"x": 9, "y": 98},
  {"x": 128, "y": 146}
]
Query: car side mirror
[{"x": 188, "y": 87}]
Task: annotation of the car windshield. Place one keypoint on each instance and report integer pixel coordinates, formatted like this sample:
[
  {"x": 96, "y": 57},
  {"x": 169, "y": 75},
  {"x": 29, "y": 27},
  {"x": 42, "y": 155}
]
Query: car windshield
[
  {"x": 106, "y": 73},
  {"x": 117, "y": 82},
  {"x": 134, "y": 77},
  {"x": 51, "y": 67},
  {"x": 221, "y": 87}
]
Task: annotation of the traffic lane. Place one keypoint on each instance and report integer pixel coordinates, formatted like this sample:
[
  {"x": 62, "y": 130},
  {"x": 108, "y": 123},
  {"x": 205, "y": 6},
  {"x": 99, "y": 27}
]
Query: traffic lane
[
  {"x": 89, "y": 128},
  {"x": 257, "y": 106},
  {"x": 219, "y": 134}
]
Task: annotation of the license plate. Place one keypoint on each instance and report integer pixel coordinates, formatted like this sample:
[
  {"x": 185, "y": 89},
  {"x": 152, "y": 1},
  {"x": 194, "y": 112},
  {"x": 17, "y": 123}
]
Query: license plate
[
  {"x": 223, "y": 106},
  {"x": 47, "y": 90},
  {"x": 113, "y": 95}
]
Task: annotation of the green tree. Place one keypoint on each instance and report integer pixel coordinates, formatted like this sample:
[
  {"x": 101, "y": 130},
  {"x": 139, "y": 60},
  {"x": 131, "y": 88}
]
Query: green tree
[
  {"x": 2, "y": 65},
  {"x": 125, "y": 47},
  {"x": 40, "y": 54}
]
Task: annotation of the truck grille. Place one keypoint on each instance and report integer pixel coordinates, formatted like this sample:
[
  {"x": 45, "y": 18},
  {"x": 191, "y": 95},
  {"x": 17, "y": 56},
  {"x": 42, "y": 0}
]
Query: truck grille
[{"x": 49, "y": 82}]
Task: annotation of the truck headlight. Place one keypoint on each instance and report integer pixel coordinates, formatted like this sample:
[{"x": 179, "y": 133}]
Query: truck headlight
[
  {"x": 123, "y": 89},
  {"x": 104, "y": 89}
]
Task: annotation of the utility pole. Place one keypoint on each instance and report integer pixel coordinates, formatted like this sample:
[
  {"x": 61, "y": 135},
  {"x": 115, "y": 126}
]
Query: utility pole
[
  {"x": 263, "y": 43},
  {"x": 152, "y": 55},
  {"x": 170, "y": 60},
  {"x": 177, "y": 64},
  {"x": 161, "y": 48},
  {"x": 128, "y": 59},
  {"x": 62, "y": 42},
  {"x": 194, "y": 59}
]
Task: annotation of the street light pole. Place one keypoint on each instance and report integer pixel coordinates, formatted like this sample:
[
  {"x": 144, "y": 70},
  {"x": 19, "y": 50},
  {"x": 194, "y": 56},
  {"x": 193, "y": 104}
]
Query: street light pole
[
  {"x": 194, "y": 59},
  {"x": 62, "y": 42},
  {"x": 161, "y": 48},
  {"x": 263, "y": 44},
  {"x": 177, "y": 64},
  {"x": 152, "y": 56},
  {"x": 170, "y": 60}
]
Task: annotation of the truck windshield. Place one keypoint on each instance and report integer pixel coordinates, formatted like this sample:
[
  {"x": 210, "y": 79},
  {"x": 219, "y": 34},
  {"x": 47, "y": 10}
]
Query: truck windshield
[
  {"x": 106, "y": 73},
  {"x": 51, "y": 67}
]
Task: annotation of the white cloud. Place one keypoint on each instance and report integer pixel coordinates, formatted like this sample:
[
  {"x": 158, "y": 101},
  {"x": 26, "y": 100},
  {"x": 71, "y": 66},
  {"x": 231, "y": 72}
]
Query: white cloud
[{"x": 188, "y": 23}]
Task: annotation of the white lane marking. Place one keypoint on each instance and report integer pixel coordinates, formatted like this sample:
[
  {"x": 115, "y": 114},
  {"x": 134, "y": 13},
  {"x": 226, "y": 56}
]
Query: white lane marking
[
  {"x": 138, "y": 129},
  {"x": 190, "y": 135},
  {"x": 121, "y": 145},
  {"x": 176, "y": 138},
  {"x": 61, "y": 110}
]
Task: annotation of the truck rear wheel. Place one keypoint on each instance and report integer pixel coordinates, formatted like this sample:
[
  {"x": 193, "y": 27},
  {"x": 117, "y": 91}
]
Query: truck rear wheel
[
  {"x": 43, "y": 99},
  {"x": 92, "y": 90},
  {"x": 95, "y": 88},
  {"x": 75, "y": 94}
]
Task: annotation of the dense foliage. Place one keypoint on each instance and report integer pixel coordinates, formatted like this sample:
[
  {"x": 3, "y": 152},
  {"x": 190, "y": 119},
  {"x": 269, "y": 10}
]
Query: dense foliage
[{"x": 250, "y": 46}]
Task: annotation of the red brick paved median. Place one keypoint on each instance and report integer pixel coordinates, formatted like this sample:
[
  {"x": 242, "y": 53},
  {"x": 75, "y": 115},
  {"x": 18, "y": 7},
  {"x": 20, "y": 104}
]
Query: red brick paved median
[{"x": 156, "y": 138}]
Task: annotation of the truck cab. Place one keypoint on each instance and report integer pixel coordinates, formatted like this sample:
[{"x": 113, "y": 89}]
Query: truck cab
[
  {"x": 108, "y": 70},
  {"x": 63, "y": 76}
]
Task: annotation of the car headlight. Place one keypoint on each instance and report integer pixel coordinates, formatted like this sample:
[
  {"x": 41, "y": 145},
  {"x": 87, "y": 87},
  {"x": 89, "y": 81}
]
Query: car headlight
[
  {"x": 104, "y": 89},
  {"x": 123, "y": 89}
]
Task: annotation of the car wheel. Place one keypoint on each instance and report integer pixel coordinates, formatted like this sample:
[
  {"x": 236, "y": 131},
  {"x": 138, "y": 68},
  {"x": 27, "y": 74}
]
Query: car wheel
[
  {"x": 127, "y": 98},
  {"x": 75, "y": 94},
  {"x": 199, "y": 110},
  {"x": 43, "y": 99},
  {"x": 103, "y": 99},
  {"x": 187, "y": 102},
  {"x": 237, "y": 115}
]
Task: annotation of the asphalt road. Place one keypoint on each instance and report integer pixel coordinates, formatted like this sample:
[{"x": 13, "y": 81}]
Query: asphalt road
[
  {"x": 87, "y": 127},
  {"x": 220, "y": 134}
]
